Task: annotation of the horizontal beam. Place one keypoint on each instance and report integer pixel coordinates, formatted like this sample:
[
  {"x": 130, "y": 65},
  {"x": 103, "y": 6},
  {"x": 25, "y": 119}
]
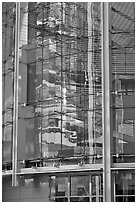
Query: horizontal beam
[
  {"x": 119, "y": 166},
  {"x": 58, "y": 169},
  {"x": 70, "y": 168}
]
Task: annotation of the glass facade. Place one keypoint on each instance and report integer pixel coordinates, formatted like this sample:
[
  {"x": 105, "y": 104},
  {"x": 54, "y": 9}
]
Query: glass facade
[
  {"x": 125, "y": 186},
  {"x": 79, "y": 187},
  {"x": 8, "y": 49},
  {"x": 60, "y": 97},
  {"x": 123, "y": 83}
]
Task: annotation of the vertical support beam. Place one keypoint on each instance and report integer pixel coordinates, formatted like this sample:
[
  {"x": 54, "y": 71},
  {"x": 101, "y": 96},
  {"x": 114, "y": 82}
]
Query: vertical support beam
[
  {"x": 97, "y": 188},
  {"x": 106, "y": 120},
  {"x": 16, "y": 84},
  {"x": 90, "y": 188},
  {"x": 114, "y": 187},
  {"x": 62, "y": 76},
  {"x": 90, "y": 78},
  {"x": 69, "y": 188}
]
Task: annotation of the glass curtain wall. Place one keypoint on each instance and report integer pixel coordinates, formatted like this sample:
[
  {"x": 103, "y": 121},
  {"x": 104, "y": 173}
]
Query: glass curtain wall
[
  {"x": 8, "y": 44},
  {"x": 59, "y": 82},
  {"x": 62, "y": 85},
  {"x": 60, "y": 108},
  {"x": 123, "y": 81},
  {"x": 83, "y": 187},
  {"x": 60, "y": 94},
  {"x": 124, "y": 186}
]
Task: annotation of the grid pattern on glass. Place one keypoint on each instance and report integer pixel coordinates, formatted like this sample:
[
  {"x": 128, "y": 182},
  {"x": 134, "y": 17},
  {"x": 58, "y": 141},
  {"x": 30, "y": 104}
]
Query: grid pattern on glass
[
  {"x": 63, "y": 90},
  {"x": 59, "y": 83},
  {"x": 96, "y": 185},
  {"x": 55, "y": 42},
  {"x": 8, "y": 43},
  {"x": 59, "y": 188},
  {"x": 79, "y": 186},
  {"x": 126, "y": 198},
  {"x": 76, "y": 188},
  {"x": 123, "y": 81},
  {"x": 124, "y": 186}
]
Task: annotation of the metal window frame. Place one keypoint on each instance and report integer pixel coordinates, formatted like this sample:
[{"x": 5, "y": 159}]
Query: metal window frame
[
  {"x": 16, "y": 87},
  {"x": 106, "y": 100},
  {"x": 73, "y": 174}
]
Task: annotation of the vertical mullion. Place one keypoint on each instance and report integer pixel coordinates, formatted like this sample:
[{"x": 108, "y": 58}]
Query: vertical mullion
[
  {"x": 106, "y": 120},
  {"x": 90, "y": 188},
  {"x": 97, "y": 188},
  {"x": 13, "y": 85},
  {"x": 90, "y": 78},
  {"x": 61, "y": 74},
  {"x": 16, "y": 84},
  {"x": 42, "y": 116},
  {"x": 69, "y": 187},
  {"x": 114, "y": 183},
  {"x": 4, "y": 76}
]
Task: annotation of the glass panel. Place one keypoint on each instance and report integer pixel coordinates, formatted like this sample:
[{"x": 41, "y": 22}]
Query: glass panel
[
  {"x": 79, "y": 199},
  {"x": 79, "y": 185},
  {"x": 125, "y": 199},
  {"x": 79, "y": 188},
  {"x": 97, "y": 199},
  {"x": 125, "y": 186},
  {"x": 58, "y": 188},
  {"x": 60, "y": 111},
  {"x": 8, "y": 43},
  {"x": 61, "y": 199},
  {"x": 67, "y": 94},
  {"x": 123, "y": 82},
  {"x": 34, "y": 181},
  {"x": 97, "y": 185},
  {"x": 28, "y": 181},
  {"x": 6, "y": 182}
]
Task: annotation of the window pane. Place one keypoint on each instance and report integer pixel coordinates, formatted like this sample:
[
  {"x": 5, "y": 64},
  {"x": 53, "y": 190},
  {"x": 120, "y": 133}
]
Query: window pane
[
  {"x": 125, "y": 185},
  {"x": 97, "y": 199},
  {"x": 79, "y": 199},
  {"x": 8, "y": 46},
  {"x": 97, "y": 185},
  {"x": 123, "y": 85},
  {"x": 79, "y": 185},
  {"x": 58, "y": 188},
  {"x": 61, "y": 199},
  {"x": 62, "y": 85}
]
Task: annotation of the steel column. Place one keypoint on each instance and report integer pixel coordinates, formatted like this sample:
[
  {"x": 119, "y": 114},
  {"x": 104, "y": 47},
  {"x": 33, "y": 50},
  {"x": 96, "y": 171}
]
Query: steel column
[
  {"x": 106, "y": 86},
  {"x": 90, "y": 78},
  {"x": 16, "y": 85},
  {"x": 69, "y": 188},
  {"x": 90, "y": 188}
]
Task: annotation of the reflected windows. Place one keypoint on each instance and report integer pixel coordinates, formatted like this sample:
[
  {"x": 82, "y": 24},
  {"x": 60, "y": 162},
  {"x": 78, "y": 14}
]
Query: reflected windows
[
  {"x": 59, "y": 188},
  {"x": 80, "y": 187},
  {"x": 124, "y": 118},
  {"x": 125, "y": 186},
  {"x": 79, "y": 191}
]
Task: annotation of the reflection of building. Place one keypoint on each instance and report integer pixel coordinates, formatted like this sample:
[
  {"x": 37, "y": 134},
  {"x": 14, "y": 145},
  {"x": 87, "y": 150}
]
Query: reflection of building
[{"x": 76, "y": 121}]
